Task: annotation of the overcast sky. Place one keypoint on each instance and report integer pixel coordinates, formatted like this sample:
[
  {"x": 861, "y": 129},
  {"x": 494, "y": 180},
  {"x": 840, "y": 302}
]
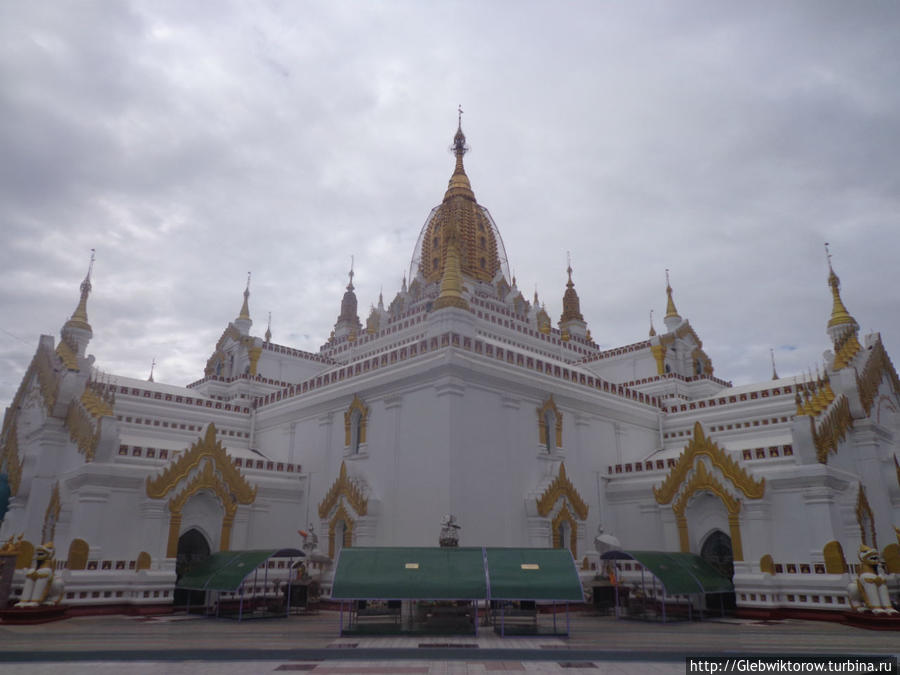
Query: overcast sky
[{"x": 192, "y": 142}]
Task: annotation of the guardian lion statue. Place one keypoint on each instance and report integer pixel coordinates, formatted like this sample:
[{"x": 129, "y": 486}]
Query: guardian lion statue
[
  {"x": 42, "y": 587},
  {"x": 869, "y": 592}
]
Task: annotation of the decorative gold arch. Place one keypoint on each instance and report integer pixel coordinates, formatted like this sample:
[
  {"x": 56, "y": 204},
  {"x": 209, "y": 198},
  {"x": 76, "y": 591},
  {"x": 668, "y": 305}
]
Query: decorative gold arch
[
  {"x": 346, "y": 488},
  {"x": 206, "y": 479},
  {"x": 355, "y": 405},
  {"x": 702, "y": 480},
  {"x": 549, "y": 404},
  {"x": 143, "y": 561},
  {"x": 561, "y": 488},
  {"x": 699, "y": 445},
  {"x": 565, "y": 515},
  {"x": 51, "y": 515},
  {"x": 864, "y": 518},
  {"x": 208, "y": 446},
  {"x": 340, "y": 515},
  {"x": 217, "y": 474}
]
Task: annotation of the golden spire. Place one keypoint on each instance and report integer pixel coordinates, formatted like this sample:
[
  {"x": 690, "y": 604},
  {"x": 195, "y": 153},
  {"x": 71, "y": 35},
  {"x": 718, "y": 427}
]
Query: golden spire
[
  {"x": 451, "y": 281},
  {"x": 268, "y": 334},
  {"x": 839, "y": 314},
  {"x": 652, "y": 329},
  {"x": 79, "y": 316},
  {"x": 571, "y": 303},
  {"x": 459, "y": 182},
  {"x": 670, "y": 303},
  {"x": 152, "y": 366},
  {"x": 774, "y": 372},
  {"x": 245, "y": 308}
]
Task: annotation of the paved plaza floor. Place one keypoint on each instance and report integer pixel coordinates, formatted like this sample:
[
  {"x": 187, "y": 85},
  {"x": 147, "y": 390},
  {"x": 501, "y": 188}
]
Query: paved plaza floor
[{"x": 176, "y": 644}]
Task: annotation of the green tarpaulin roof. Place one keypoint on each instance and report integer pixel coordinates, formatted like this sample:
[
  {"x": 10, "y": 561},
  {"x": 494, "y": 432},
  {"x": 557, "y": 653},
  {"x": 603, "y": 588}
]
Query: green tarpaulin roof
[
  {"x": 399, "y": 573},
  {"x": 225, "y": 570},
  {"x": 533, "y": 574},
  {"x": 679, "y": 573},
  {"x": 395, "y": 573}
]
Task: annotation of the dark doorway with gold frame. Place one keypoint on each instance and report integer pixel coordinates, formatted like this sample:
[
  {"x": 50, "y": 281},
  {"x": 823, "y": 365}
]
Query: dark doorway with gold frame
[
  {"x": 192, "y": 548},
  {"x": 717, "y": 551}
]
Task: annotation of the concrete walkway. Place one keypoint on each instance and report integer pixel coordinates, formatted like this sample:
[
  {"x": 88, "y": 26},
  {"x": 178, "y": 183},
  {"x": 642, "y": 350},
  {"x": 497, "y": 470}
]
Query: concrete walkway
[{"x": 182, "y": 644}]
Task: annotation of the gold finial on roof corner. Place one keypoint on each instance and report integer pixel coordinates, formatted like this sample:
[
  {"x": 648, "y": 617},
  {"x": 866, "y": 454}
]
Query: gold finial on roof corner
[
  {"x": 670, "y": 303},
  {"x": 268, "y": 334},
  {"x": 652, "y": 329},
  {"x": 245, "y": 307},
  {"x": 839, "y": 314}
]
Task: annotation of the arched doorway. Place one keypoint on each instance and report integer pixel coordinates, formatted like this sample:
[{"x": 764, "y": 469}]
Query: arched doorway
[
  {"x": 717, "y": 551},
  {"x": 192, "y": 547}
]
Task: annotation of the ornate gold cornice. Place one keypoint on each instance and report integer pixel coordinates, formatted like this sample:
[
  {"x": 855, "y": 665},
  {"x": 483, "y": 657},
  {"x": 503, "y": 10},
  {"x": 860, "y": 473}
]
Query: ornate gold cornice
[
  {"x": 864, "y": 517},
  {"x": 561, "y": 488},
  {"x": 356, "y": 405},
  {"x": 207, "y": 447},
  {"x": 51, "y": 516},
  {"x": 543, "y": 432},
  {"x": 699, "y": 445},
  {"x": 831, "y": 429},
  {"x": 345, "y": 487}
]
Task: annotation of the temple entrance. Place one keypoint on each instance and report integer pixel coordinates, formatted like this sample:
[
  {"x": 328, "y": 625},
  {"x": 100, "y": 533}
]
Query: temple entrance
[
  {"x": 717, "y": 551},
  {"x": 192, "y": 547}
]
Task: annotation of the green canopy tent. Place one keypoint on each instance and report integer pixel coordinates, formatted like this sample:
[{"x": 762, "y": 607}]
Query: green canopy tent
[
  {"x": 531, "y": 575},
  {"x": 678, "y": 573},
  {"x": 226, "y": 572},
  {"x": 465, "y": 574}
]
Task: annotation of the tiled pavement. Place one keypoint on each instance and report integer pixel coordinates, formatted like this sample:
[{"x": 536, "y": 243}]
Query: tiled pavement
[{"x": 177, "y": 644}]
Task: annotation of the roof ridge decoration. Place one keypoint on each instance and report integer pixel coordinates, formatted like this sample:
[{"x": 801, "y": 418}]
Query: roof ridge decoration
[
  {"x": 877, "y": 366},
  {"x": 84, "y": 428},
  {"x": 561, "y": 488},
  {"x": 700, "y": 444},
  {"x": 67, "y": 355},
  {"x": 345, "y": 487},
  {"x": 865, "y": 518},
  {"x": 832, "y": 429},
  {"x": 206, "y": 447}
]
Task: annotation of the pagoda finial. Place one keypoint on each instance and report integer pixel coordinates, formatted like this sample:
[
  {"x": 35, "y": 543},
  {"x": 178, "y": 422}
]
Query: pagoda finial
[
  {"x": 152, "y": 366},
  {"x": 268, "y": 334},
  {"x": 839, "y": 314},
  {"x": 774, "y": 372},
  {"x": 245, "y": 307},
  {"x": 571, "y": 302},
  {"x": 672, "y": 318},
  {"x": 652, "y": 329},
  {"x": 80, "y": 314},
  {"x": 350, "y": 285}
]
